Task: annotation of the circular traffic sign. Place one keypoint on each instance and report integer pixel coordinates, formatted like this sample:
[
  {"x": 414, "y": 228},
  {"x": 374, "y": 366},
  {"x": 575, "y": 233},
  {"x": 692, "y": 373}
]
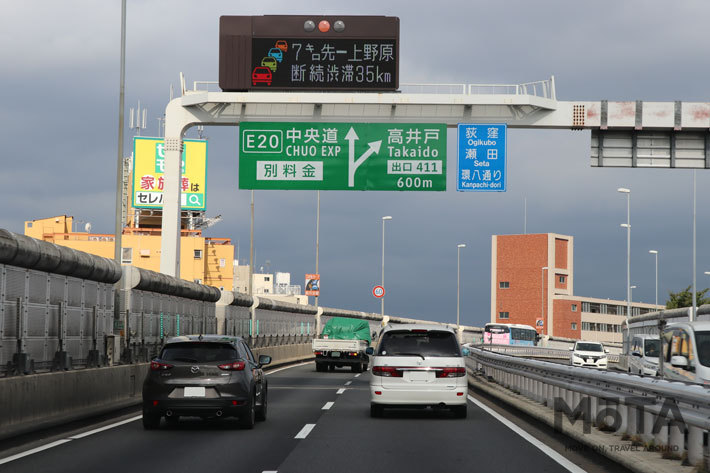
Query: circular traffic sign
[{"x": 378, "y": 291}]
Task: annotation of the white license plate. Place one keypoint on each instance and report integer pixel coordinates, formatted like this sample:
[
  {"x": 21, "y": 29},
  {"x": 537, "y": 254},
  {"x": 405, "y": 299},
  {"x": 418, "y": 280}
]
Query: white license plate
[
  {"x": 419, "y": 376},
  {"x": 335, "y": 354},
  {"x": 194, "y": 392}
]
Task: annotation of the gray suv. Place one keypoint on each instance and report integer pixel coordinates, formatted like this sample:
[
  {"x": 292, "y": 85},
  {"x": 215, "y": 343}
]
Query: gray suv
[{"x": 209, "y": 376}]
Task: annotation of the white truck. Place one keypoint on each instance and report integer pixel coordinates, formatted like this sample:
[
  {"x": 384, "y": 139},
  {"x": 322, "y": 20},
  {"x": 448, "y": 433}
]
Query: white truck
[
  {"x": 332, "y": 353},
  {"x": 342, "y": 342}
]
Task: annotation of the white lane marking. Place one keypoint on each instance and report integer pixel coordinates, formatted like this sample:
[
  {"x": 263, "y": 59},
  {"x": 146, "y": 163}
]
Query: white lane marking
[
  {"x": 305, "y": 431},
  {"x": 568, "y": 465},
  {"x": 269, "y": 471},
  {"x": 348, "y": 383},
  {"x": 106, "y": 427},
  {"x": 288, "y": 367},
  {"x": 340, "y": 391},
  {"x": 327, "y": 406},
  {"x": 34, "y": 450},
  {"x": 68, "y": 439},
  {"x": 358, "y": 375}
]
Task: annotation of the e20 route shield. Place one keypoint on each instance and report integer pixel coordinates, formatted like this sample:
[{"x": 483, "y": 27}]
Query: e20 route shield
[{"x": 342, "y": 156}]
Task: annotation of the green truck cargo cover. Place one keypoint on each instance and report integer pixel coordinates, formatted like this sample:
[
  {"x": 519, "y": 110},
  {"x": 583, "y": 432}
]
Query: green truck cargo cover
[{"x": 342, "y": 328}]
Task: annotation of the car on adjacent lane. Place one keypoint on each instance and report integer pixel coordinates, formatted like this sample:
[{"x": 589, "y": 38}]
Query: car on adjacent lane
[
  {"x": 209, "y": 376},
  {"x": 589, "y": 355}
]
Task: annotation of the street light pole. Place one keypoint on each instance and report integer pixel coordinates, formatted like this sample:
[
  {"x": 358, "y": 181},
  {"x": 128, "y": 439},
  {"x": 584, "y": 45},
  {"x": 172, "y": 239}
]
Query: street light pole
[
  {"x": 458, "y": 286},
  {"x": 695, "y": 289},
  {"x": 382, "y": 283},
  {"x": 251, "y": 247},
  {"x": 119, "y": 161},
  {"x": 655, "y": 253},
  {"x": 542, "y": 299},
  {"x": 317, "y": 239},
  {"x": 626, "y": 191}
]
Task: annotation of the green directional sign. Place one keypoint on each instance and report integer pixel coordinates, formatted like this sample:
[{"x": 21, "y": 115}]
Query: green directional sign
[{"x": 342, "y": 156}]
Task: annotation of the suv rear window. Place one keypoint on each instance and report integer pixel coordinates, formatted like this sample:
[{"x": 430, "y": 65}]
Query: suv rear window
[
  {"x": 198, "y": 352},
  {"x": 424, "y": 343}
]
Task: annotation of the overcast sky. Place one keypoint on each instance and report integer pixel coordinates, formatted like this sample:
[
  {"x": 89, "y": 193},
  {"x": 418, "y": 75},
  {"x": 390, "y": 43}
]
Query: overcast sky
[{"x": 59, "y": 86}]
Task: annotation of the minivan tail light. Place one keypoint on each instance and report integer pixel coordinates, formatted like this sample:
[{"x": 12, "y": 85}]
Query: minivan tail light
[
  {"x": 451, "y": 372},
  {"x": 158, "y": 366},
  {"x": 386, "y": 371},
  {"x": 236, "y": 366}
]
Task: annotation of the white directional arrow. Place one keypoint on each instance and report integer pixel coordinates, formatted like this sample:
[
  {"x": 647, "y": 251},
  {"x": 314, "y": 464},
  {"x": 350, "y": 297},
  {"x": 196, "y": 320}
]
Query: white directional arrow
[{"x": 353, "y": 163}]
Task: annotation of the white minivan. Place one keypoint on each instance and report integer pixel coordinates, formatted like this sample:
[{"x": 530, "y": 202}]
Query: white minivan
[
  {"x": 644, "y": 351},
  {"x": 418, "y": 365}
]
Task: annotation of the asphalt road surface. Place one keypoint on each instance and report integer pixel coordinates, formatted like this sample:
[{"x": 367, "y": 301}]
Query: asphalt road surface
[{"x": 316, "y": 422}]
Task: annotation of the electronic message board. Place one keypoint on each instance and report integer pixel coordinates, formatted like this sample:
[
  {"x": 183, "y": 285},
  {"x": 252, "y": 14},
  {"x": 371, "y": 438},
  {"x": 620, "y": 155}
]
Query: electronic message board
[{"x": 309, "y": 53}]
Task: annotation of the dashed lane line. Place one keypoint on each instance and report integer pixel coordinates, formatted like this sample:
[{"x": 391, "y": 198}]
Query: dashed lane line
[{"x": 305, "y": 431}]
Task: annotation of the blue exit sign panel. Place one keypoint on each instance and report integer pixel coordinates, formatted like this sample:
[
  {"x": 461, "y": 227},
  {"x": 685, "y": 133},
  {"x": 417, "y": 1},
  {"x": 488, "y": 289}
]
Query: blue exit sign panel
[{"x": 482, "y": 160}]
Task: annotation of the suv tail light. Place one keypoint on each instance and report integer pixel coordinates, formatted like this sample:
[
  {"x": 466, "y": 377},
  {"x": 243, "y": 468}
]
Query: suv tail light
[
  {"x": 158, "y": 366},
  {"x": 387, "y": 371},
  {"x": 236, "y": 366},
  {"x": 451, "y": 372}
]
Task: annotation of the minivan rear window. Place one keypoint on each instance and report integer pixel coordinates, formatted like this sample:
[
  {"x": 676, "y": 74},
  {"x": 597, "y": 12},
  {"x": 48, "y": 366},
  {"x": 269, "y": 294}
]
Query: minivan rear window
[
  {"x": 197, "y": 352},
  {"x": 424, "y": 343}
]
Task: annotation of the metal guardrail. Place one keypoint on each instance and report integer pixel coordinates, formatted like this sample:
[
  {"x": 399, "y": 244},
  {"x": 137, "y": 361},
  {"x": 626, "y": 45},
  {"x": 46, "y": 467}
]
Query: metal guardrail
[
  {"x": 671, "y": 415},
  {"x": 541, "y": 88},
  {"x": 536, "y": 352}
]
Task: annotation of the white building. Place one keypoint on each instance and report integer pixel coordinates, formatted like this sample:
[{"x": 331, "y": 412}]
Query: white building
[{"x": 274, "y": 286}]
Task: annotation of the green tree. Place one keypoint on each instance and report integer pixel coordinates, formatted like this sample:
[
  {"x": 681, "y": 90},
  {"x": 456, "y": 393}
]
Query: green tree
[{"x": 684, "y": 298}]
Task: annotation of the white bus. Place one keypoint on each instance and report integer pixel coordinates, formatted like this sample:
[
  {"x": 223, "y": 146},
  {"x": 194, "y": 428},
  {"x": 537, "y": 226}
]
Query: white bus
[{"x": 509, "y": 334}]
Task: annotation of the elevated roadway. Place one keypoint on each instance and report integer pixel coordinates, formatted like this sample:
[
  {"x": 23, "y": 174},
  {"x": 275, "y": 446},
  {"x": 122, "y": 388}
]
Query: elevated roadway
[{"x": 315, "y": 422}]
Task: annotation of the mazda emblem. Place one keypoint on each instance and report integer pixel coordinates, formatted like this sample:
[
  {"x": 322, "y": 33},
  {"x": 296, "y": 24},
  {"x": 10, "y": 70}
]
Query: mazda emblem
[{"x": 194, "y": 369}]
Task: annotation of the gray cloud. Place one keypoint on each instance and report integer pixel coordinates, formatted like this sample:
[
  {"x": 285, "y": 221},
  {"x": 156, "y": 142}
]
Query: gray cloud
[{"x": 59, "y": 119}]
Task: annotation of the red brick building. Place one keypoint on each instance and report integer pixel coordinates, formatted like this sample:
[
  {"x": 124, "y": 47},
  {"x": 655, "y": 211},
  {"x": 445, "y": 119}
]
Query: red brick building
[{"x": 532, "y": 283}]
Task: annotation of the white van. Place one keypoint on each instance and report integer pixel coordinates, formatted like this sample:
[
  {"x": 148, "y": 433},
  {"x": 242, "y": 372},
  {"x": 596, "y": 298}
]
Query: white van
[
  {"x": 686, "y": 352},
  {"x": 643, "y": 355}
]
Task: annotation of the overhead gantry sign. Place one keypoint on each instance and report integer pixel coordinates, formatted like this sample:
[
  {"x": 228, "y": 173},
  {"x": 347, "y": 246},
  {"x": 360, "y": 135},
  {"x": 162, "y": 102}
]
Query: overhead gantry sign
[{"x": 624, "y": 134}]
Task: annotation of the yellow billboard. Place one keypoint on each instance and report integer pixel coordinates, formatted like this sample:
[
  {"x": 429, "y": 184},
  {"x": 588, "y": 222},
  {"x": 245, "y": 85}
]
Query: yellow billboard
[{"x": 148, "y": 168}]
